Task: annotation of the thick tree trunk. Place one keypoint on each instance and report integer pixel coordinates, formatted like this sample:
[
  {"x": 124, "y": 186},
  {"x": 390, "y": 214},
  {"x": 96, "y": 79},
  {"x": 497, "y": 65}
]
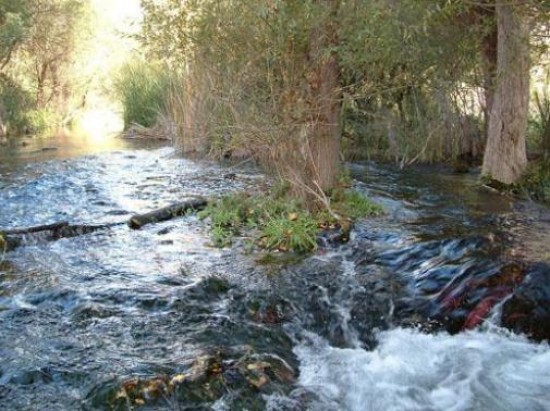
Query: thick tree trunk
[
  {"x": 489, "y": 46},
  {"x": 505, "y": 156},
  {"x": 324, "y": 132},
  {"x": 324, "y": 138}
]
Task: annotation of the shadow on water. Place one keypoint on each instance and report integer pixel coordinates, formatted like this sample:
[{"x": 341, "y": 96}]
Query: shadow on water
[{"x": 406, "y": 316}]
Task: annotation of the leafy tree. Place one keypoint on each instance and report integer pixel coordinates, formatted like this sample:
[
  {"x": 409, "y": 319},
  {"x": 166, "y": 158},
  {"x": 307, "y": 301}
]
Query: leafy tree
[
  {"x": 39, "y": 41},
  {"x": 15, "y": 23},
  {"x": 50, "y": 47},
  {"x": 284, "y": 80}
]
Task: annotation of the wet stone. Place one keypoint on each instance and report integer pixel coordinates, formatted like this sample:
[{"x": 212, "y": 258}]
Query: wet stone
[
  {"x": 528, "y": 310},
  {"x": 237, "y": 372},
  {"x": 271, "y": 311}
]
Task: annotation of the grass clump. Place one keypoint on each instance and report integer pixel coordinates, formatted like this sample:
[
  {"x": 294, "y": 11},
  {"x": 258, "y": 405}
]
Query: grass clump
[
  {"x": 278, "y": 222},
  {"x": 353, "y": 204},
  {"x": 288, "y": 233}
]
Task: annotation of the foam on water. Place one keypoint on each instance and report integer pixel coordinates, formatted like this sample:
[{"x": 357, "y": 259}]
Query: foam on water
[{"x": 409, "y": 370}]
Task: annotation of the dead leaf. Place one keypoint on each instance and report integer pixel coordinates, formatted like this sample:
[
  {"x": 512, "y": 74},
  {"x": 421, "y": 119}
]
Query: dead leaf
[
  {"x": 178, "y": 379},
  {"x": 258, "y": 382}
]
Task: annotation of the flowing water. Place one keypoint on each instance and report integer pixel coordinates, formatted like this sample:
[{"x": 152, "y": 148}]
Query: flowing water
[{"x": 441, "y": 304}]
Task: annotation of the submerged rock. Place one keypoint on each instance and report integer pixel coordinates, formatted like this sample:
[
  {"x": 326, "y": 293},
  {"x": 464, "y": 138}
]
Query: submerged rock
[
  {"x": 528, "y": 310},
  {"x": 236, "y": 372}
]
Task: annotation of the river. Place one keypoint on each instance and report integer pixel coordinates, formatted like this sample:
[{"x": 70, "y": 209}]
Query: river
[{"x": 440, "y": 304}]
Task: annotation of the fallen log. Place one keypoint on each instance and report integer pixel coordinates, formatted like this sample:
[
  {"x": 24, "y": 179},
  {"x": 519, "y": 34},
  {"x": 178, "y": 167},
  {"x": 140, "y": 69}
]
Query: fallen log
[
  {"x": 166, "y": 213},
  {"x": 15, "y": 237},
  {"x": 35, "y": 229},
  {"x": 12, "y": 238}
]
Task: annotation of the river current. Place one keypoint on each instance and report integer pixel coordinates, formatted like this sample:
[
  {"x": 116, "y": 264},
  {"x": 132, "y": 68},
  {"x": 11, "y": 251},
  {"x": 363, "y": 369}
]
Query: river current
[{"x": 440, "y": 304}]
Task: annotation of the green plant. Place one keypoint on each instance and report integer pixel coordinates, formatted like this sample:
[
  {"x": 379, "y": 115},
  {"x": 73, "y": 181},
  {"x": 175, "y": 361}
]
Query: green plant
[
  {"x": 143, "y": 91},
  {"x": 42, "y": 121},
  {"x": 280, "y": 222},
  {"x": 536, "y": 182},
  {"x": 15, "y": 102},
  {"x": 287, "y": 233},
  {"x": 352, "y": 204}
]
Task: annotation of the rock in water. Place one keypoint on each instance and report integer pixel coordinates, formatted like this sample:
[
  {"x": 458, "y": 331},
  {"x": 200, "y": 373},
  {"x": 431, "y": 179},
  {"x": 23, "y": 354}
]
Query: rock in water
[{"x": 528, "y": 310}]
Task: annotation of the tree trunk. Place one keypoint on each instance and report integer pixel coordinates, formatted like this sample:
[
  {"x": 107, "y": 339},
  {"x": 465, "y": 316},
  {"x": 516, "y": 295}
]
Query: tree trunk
[
  {"x": 505, "y": 156},
  {"x": 324, "y": 131},
  {"x": 489, "y": 45}
]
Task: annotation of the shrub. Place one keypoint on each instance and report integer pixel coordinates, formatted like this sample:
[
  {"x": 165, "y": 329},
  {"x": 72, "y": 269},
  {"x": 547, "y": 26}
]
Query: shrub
[
  {"x": 143, "y": 91},
  {"x": 536, "y": 182},
  {"x": 42, "y": 121},
  {"x": 15, "y": 103}
]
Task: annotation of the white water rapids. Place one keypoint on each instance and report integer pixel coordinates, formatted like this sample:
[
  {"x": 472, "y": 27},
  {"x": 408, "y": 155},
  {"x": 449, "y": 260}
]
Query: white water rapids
[{"x": 412, "y": 371}]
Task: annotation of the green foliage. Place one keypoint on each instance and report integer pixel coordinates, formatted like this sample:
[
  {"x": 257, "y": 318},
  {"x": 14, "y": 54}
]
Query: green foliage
[
  {"x": 538, "y": 130},
  {"x": 352, "y": 204},
  {"x": 15, "y": 24},
  {"x": 42, "y": 121},
  {"x": 143, "y": 90},
  {"x": 536, "y": 182},
  {"x": 38, "y": 45},
  {"x": 408, "y": 72},
  {"x": 283, "y": 233},
  {"x": 15, "y": 102},
  {"x": 279, "y": 222}
]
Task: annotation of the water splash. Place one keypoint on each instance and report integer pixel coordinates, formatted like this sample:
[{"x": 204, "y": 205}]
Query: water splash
[{"x": 412, "y": 371}]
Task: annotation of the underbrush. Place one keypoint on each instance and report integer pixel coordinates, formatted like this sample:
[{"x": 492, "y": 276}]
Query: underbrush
[
  {"x": 143, "y": 90},
  {"x": 15, "y": 103},
  {"x": 278, "y": 222},
  {"x": 536, "y": 182}
]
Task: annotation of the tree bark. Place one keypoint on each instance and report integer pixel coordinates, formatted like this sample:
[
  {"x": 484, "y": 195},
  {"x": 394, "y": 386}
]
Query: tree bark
[
  {"x": 324, "y": 131},
  {"x": 505, "y": 156},
  {"x": 489, "y": 46}
]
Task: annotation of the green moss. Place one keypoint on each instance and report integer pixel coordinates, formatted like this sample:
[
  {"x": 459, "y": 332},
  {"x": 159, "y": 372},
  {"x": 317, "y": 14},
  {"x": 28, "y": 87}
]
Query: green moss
[{"x": 215, "y": 285}]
